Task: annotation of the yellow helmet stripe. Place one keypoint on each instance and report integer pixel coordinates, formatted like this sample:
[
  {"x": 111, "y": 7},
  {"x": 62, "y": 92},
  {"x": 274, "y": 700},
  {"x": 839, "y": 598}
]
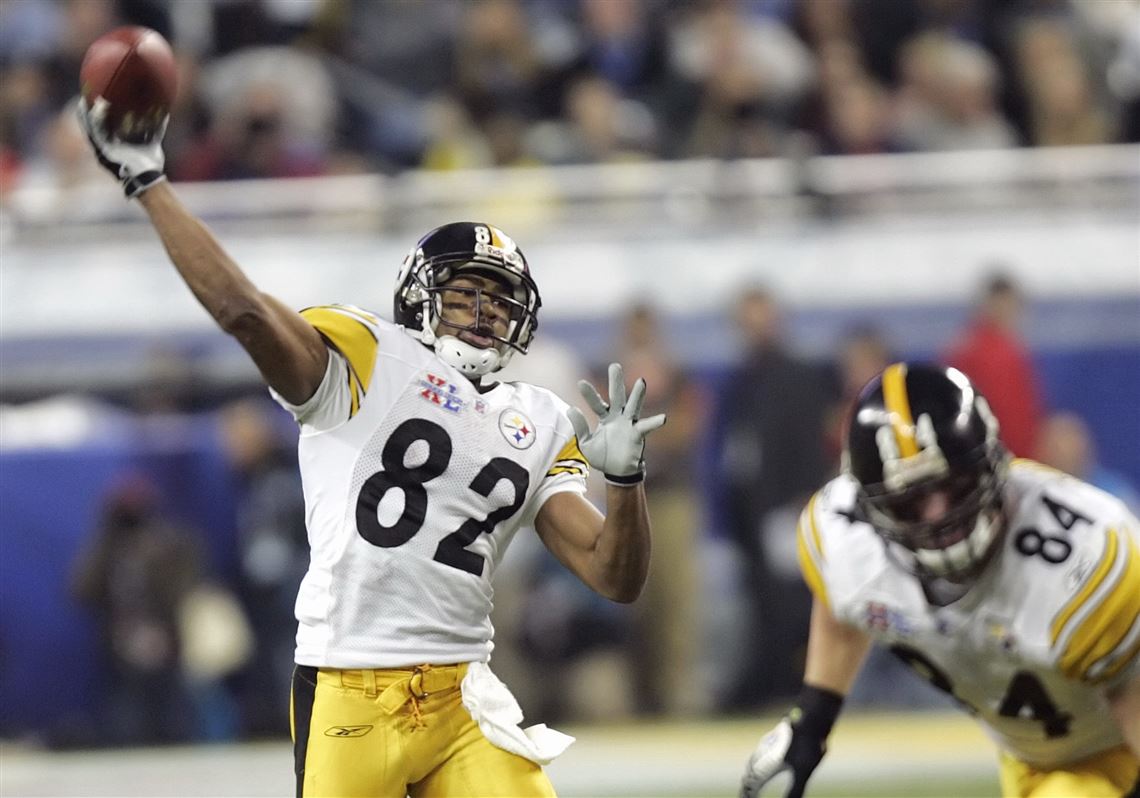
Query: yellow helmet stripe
[
  {"x": 496, "y": 239},
  {"x": 898, "y": 406}
]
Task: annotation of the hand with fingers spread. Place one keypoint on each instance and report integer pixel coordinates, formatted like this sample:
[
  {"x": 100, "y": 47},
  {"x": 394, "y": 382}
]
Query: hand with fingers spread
[
  {"x": 617, "y": 445},
  {"x": 138, "y": 166}
]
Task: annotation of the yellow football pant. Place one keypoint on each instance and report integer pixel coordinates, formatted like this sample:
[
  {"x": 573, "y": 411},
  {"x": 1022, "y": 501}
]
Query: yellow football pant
[
  {"x": 1110, "y": 774},
  {"x": 396, "y": 733}
]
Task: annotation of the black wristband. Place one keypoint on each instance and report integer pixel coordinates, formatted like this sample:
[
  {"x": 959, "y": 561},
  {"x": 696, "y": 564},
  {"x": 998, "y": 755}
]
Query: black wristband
[
  {"x": 133, "y": 186},
  {"x": 627, "y": 481},
  {"x": 816, "y": 710}
]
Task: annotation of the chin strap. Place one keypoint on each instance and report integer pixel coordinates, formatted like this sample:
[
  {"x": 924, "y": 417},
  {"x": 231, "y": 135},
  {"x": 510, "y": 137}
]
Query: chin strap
[{"x": 470, "y": 360}]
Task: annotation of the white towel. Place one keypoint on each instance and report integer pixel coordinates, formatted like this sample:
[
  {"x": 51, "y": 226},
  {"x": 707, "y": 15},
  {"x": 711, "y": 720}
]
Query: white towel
[{"x": 499, "y": 715}]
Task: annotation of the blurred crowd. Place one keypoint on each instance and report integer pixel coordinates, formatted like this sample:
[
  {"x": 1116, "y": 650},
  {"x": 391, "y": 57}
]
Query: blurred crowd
[
  {"x": 285, "y": 88},
  {"x": 721, "y": 627}
]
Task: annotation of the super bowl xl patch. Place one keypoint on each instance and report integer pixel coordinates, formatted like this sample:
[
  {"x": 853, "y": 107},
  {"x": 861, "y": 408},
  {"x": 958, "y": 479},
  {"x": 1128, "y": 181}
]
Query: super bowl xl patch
[{"x": 442, "y": 393}]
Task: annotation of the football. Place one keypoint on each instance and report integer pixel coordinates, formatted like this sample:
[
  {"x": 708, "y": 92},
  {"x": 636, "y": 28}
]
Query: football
[{"x": 134, "y": 71}]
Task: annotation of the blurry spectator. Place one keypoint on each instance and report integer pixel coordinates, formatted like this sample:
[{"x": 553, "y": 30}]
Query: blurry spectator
[
  {"x": 1066, "y": 443},
  {"x": 599, "y": 127},
  {"x": 506, "y": 135},
  {"x": 497, "y": 67},
  {"x": 274, "y": 553},
  {"x": 621, "y": 43},
  {"x": 993, "y": 355},
  {"x": 667, "y": 632},
  {"x": 1124, "y": 76},
  {"x": 917, "y": 97},
  {"x": 25, "y": 109},
  {"x": 390, "y": 40},
  {"x": 863, "y": 354},
  {"x": 750, "y": 72},
  {"x": 953, "y": 95},
  {"x": 273, "y": 114},
  {"x": 136, "y": 573},
  {"x": 1063, "y": 108},
  {"x": 858, "y": 119},
  {"x": 62, "y": 160},
  {"x": 771, "y": 456},
  {"x": 453, "y": 141}
]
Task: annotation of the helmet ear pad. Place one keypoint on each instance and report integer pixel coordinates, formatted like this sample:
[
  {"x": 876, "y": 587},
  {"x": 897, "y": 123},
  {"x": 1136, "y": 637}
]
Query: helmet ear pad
[{"x": 917, "y": 429}]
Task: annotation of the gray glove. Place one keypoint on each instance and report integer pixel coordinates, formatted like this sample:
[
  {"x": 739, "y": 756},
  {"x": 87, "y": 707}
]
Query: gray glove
[
  {"x": 616, "y": 446},
  {"x": 137, "y": 166}
]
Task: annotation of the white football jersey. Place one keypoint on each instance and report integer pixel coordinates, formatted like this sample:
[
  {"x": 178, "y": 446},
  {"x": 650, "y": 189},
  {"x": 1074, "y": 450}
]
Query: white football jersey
[
  {"x": 1053, "y": 619},
  {"x": 414, "y": 482}
]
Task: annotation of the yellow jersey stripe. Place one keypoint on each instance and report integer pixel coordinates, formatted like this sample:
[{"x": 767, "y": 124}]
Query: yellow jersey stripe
[
  {"x": 1067, "y": 612},
  {"x": 898, "y": 407},
  {"x": 565, "y": 469},
  {"x": 808, "y": 566},
  {"x": 815, "y": 527},
  {"x": 349, "y": 335},
  {"x": 570, "y": 460},
  {"x": 571, "y": 452},
  {"x": 1107, "y": 627}
]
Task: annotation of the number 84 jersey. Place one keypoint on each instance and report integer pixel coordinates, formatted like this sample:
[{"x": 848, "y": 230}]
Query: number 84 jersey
[
  {"x": 415, "y": 482},
  {"x": 1051, "y": 623}
]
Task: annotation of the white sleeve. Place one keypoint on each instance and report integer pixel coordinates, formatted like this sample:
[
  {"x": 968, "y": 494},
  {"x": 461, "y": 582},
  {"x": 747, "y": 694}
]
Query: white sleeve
[
  {"x": 330, "y": 405},
  {"x": 560, "y": 483}
]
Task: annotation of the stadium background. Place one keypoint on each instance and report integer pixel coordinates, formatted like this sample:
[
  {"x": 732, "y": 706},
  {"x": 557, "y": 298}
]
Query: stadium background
[{"x": 867, "y": 162}]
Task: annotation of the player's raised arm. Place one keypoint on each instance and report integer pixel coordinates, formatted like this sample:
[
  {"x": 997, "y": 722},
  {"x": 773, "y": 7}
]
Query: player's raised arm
[
  {"x": 288, "y": 351},
  {"x": 609, "y": 553}
]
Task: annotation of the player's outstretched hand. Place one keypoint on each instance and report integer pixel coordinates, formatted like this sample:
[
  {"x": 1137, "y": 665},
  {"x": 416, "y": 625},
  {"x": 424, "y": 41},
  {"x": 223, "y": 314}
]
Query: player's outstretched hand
[
  {"x": 779, "y": 750},
  {"x": 616, "y": 446},
  {"x": 137, "y": 166}
]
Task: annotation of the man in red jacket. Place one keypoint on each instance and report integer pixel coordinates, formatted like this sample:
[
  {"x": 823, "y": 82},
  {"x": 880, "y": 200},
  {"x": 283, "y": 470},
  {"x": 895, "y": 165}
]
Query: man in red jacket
[{"x": 991, "y": 351}]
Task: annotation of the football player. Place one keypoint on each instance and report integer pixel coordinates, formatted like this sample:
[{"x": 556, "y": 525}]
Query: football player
[
  {"x": 1012, "y": 587},
  {"x": 418, "y": 469}
]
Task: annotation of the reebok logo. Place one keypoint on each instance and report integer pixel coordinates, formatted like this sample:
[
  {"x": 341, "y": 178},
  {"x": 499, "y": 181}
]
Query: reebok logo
[{"x": 347, "y": 731}]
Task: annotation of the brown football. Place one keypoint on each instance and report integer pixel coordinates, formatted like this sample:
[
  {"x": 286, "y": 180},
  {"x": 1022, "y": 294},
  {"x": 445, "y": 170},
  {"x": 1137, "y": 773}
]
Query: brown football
[{"x": 134, "y": 71}]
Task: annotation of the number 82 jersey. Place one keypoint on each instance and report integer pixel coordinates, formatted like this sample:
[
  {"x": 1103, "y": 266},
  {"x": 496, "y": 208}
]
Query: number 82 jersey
[
  {"x": 1052, "y": 621},
  {"x": 415, "y": 482}
]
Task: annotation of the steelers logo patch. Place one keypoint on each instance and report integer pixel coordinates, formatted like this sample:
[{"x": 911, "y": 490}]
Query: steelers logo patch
[{"x": 516, "y": 428}]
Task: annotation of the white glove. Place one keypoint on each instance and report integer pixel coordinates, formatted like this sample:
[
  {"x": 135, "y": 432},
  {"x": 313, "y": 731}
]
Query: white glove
[
  {"x": 779, "y": 750},
  {"x": 617, "y": 445},
  {"x": 138, "y": 166}
]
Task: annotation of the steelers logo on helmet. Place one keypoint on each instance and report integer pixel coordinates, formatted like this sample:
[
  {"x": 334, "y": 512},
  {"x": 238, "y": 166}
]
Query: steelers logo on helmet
[
  {"x": 433, "y": 267},
  {"x": 923, "y": 446}
]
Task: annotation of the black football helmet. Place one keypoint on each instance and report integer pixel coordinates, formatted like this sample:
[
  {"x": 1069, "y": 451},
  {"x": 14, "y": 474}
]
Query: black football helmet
[
  {"x": 437, "y": 258},
  {"x": 917, "y": 429}
]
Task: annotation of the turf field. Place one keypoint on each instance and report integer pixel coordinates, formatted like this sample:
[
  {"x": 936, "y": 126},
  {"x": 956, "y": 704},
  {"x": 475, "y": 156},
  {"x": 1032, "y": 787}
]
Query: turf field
[{"x": 920, "y": 756}]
